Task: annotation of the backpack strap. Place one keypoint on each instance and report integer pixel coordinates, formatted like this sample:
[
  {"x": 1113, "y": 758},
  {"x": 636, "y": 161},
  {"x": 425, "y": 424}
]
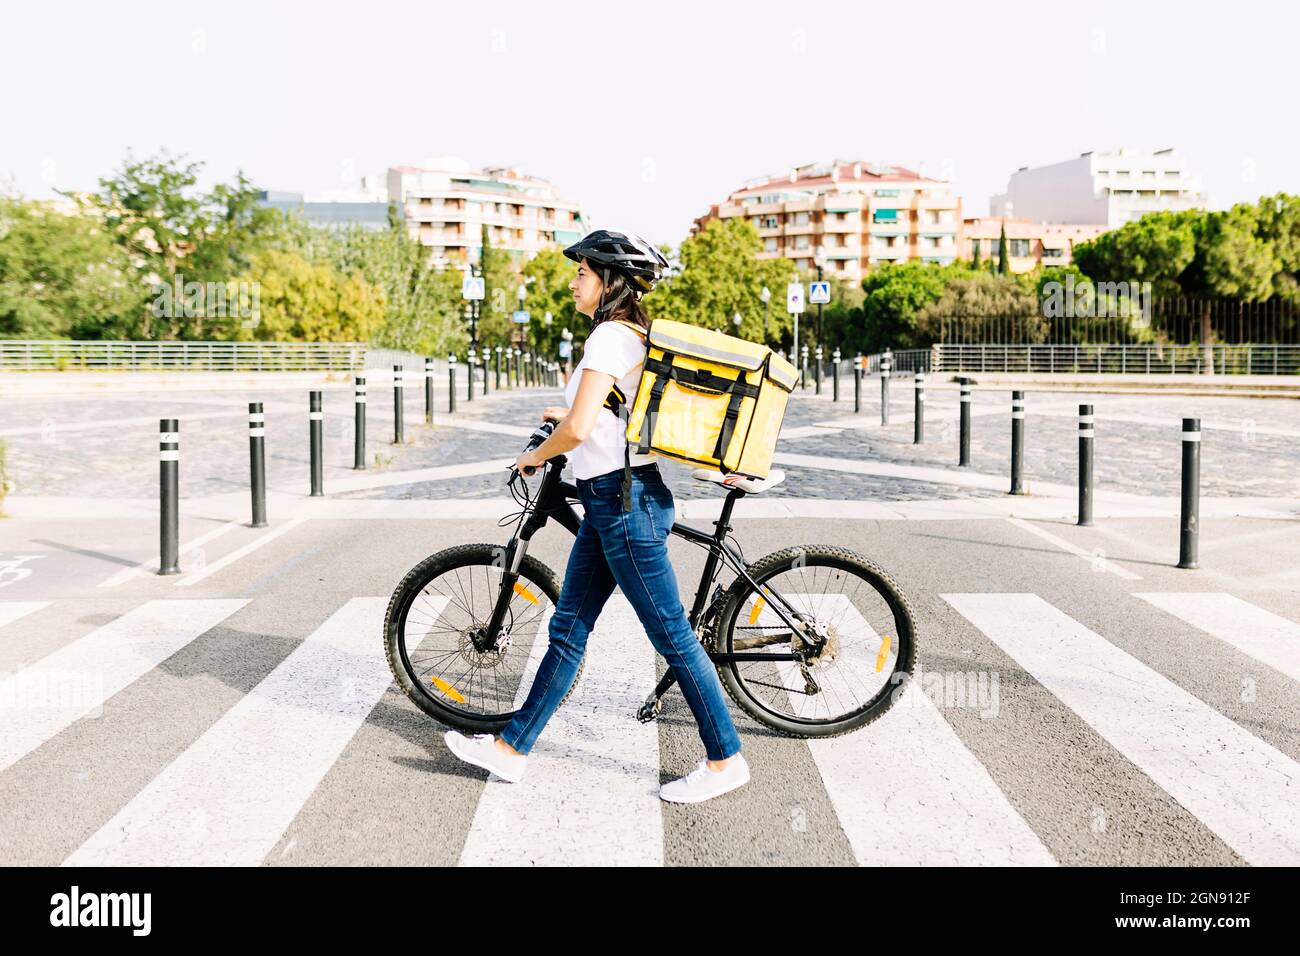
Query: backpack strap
[{"x": 616, "y": 402}]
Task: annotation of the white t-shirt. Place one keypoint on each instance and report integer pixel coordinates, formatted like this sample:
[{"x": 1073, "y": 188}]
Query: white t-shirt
[{"x": 616, "y": 349}]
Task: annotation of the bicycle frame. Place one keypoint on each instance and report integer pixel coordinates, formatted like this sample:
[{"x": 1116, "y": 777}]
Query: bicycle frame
[{"x": 552, "y": 502}]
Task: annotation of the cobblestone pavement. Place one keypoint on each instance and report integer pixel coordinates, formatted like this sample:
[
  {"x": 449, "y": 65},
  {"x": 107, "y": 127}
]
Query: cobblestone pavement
[{"x": 107, "y": 446}]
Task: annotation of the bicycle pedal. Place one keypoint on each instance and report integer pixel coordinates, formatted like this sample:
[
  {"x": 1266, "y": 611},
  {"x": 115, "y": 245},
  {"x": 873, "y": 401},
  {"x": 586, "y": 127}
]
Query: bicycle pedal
[{"x": 650, "y": 709}]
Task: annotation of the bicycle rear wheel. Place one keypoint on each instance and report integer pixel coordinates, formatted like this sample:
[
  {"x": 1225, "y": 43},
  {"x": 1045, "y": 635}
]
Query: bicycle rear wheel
[
  {"x": 859, "y": 672},
  {"x": 428, "y": 630}
]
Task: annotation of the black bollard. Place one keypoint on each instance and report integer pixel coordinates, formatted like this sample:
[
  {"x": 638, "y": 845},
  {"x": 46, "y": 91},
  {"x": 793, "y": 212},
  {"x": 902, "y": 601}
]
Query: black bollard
[
  {"x": 451, "y": 383},
  {"x": 169, "y": 463},
  {"x": 886, "y": 363},
  {"x": 1085, "y": 464},
  {"x": 257, "y": 461},
  {"x": 918, "y": 415},
  {"x": 835, "y": 376},
  {"x": 817, "y": 373},
  {"x": 398, "y": 429},
  {"x": 315, "y": 428},
  {"x": 1190, "y": 520},
  {"x": 484, "y": 357},
  {"x": 857, "y": 389},
  {"x": 359, "y": 431},
  {"x": 963, "y": 440},
  {"x": 469, "y": 376},
  {"x": 498, "y": 372},
  {"x": 1017, "y": 442},
  {"x": 428, "y": 391}
]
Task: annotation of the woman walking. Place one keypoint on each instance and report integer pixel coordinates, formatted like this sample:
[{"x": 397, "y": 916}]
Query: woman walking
[{"x": 623, "y": 539}]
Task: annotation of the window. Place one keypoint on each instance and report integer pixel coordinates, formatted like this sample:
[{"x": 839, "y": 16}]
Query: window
[
  {"x": 1019, "y": 247},
  {"x": 770, "y": 245},
  {"x": 1053, "y": 252},
  {"x": 886, "y": 192}
]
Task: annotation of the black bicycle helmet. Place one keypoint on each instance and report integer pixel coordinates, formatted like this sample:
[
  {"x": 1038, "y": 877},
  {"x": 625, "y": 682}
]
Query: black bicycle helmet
[{"x": 638, "y": 261}]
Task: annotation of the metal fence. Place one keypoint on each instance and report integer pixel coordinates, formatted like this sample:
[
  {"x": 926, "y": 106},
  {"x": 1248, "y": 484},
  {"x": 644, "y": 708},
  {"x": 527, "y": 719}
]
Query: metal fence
[
  {"x": 904, "y": 360},
  {"x": 1117, "y": 359},
  {"x": 99, "y": 355},
  {"x": 1176, "y": 319}
]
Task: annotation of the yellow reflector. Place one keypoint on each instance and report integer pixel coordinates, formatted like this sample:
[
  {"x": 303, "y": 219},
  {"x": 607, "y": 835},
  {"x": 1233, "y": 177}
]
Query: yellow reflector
[
  {"x": 526, "y": 594},
  {"x": 453, "y": 693},
  {"x": 758, "y": 609},
  {"x": 884, "y": 652}
]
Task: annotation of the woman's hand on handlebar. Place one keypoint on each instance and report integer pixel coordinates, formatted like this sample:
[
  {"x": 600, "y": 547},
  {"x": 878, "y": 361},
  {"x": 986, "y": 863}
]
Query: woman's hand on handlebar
[
  {"x": 528, "y": 462},
  {"x": 554, "y": 413}
]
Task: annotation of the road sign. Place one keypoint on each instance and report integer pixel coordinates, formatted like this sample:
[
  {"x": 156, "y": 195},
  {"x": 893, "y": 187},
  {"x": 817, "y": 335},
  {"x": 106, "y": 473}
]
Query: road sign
[
  {"x": 472, "y": 287},
  {"x": 794, "y": 297},
  {"x": 519, "y": 316},
  {"x": 819, "y": 293}
]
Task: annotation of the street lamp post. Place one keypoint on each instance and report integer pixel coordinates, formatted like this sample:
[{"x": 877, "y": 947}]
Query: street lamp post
[{"x": 819, "y": 260}]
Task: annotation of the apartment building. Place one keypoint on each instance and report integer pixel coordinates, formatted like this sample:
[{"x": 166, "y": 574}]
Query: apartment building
[
  {"x": 1106, "y": 188},
  {"x": 1029, "y": 244},
  {"x": 445, "y": 205},
  {"x": 860, "y": 213}
]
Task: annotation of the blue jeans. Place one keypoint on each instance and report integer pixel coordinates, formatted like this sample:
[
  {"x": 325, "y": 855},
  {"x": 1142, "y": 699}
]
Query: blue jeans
[{"x": 628, "y": 549}]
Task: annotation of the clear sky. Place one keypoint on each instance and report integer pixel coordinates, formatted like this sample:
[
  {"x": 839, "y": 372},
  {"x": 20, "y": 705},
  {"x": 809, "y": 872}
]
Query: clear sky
[{"x": 647, "y": 112}]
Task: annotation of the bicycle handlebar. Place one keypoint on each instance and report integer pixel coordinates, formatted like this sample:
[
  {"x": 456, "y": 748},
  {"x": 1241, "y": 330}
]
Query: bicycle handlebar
[{"x": 539, "y": 435}]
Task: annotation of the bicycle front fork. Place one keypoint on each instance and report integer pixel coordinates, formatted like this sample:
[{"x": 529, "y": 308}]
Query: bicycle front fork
[{"x": 490, "y": 637}]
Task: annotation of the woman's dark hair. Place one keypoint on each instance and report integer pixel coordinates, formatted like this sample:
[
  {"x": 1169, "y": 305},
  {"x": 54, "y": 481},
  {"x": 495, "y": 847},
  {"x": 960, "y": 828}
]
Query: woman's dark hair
[{"x": 627, "y": 307}]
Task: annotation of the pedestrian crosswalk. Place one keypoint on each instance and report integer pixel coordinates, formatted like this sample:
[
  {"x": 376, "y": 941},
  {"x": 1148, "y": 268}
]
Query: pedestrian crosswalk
[{"x": 911, "y": 788}]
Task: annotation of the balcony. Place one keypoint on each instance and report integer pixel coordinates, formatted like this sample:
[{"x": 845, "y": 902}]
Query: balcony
[
  {"x": 807, "y": 229},
  {"x": 900, "y": 228},
  {"x": 850, "y": 224}
]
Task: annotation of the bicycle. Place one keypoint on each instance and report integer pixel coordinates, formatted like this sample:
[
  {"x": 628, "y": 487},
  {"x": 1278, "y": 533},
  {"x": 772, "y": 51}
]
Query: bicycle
[{"x": 488, "y": 647}]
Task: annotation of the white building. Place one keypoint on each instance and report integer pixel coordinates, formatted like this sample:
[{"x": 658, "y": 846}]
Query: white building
[
  {"x": 446, "y": 204},
  {"x": 1108, "y": 189}
]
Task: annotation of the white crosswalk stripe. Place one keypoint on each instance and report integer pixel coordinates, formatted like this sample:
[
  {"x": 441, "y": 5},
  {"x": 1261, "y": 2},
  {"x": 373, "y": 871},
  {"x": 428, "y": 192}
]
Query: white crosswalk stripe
[
  {"x": 11, "y": 611},
  {"x": 590, "y": 793},
  {"x": 937, "y": 804},
  {"x": 1265, "y": 636},
  {"x": 228, "y": 798},
  {"x": 1240, "y": 787},
  {"x": 43, "y": 699}
]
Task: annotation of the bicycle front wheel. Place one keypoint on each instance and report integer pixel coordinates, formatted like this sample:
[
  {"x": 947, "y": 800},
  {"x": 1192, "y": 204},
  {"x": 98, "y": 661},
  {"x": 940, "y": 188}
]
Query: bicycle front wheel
[
  {"x": 436, "y": 612},
  {"x": 839, "y": 599}
]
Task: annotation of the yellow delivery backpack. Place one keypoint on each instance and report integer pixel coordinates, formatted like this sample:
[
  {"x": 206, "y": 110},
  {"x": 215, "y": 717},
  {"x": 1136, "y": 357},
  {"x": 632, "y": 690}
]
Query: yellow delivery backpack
[{"x": 707, "y": 399}]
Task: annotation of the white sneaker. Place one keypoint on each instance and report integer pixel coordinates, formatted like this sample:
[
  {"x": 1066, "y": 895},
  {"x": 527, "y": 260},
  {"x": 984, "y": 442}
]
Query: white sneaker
[
  {"x": 702, "y": 783},
  {"x": 481, "y": 750}
]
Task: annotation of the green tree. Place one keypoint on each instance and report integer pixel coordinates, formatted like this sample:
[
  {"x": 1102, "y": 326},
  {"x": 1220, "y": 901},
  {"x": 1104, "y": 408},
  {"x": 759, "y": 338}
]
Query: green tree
[
  {"x": 166, "y": 226},
  {"x": 895, "y": 294},
  {"x": 62, "y": 276},
  {"x": 548, "y": 275},
  {"x": 988, "y": 308},
  {"x": 304, "y": 301},
  {"x": 721, "y": 275},
  {"x": 1004, "y": 262}
]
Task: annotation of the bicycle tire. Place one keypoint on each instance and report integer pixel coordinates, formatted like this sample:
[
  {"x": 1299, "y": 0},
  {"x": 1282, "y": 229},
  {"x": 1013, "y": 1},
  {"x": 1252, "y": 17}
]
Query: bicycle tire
[
  {"x": 412, "y": 584},
  {"x": 765, "y": 567}
]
